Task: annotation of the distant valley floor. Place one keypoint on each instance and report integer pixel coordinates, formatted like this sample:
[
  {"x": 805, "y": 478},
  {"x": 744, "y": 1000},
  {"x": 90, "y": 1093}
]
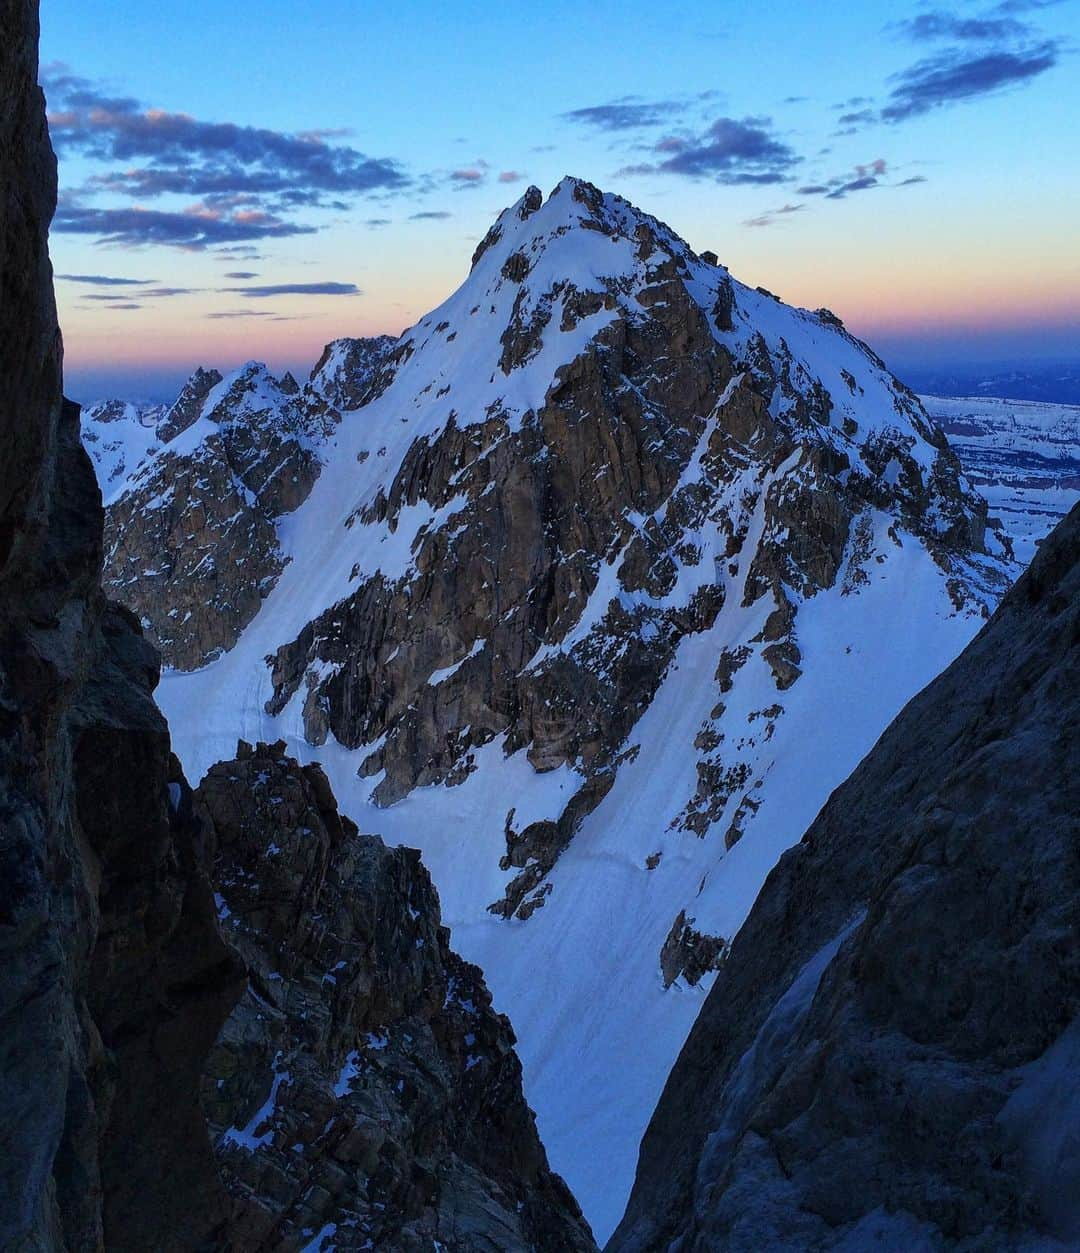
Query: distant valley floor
[{"x": 1022, "y": 455}]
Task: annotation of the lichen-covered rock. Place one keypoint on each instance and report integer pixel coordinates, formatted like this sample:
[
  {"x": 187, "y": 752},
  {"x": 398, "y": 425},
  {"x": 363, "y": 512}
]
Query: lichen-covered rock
[
  {"x": 363, "y": 1086},
  {"x": 889, "y": 1053}
]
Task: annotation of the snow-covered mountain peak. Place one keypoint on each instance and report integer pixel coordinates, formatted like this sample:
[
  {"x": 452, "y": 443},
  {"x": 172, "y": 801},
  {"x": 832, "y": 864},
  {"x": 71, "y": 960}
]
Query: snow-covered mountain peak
[
  {"x": 552, "y": 276},
  {"x": 612, "y": 570},
  {"x": 251, "y": 391}
]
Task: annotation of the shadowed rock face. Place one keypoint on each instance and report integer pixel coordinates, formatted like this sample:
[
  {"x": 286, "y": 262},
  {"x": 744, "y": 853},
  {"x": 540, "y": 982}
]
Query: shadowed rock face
[
  {"x": 113, "y": 976},
  {"x": 885, "y": 1054},
  {"x": 363, "y": 1080}
]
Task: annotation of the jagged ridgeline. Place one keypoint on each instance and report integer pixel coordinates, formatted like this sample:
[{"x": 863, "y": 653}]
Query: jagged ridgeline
[
  {"x": 194, "y": 491},
  {"x": 593, "y": 584}
]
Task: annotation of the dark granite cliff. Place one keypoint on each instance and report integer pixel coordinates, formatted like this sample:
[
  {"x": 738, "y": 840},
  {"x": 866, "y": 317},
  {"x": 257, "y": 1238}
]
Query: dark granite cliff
[
  {"x": 889, "y": 1055},
  {"x": 363, "y": 1089},
  {"x": 114, "y": 978}
]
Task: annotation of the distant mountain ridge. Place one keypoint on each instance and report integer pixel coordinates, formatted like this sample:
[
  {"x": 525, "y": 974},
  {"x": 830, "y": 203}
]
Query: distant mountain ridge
[
  {"x": 1057, "y": 383},
  {"x": 194, "y": 491}
]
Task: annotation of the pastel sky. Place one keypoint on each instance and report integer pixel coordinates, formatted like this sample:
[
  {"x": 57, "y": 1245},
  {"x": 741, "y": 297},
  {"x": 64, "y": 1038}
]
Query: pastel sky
[{"x": 251, "y": 180}]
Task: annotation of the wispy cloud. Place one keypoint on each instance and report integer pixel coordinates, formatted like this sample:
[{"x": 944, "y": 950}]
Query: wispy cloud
[
  {"x": 430, "y": 215},
  {"x": 295, "y": 289},
  {"x": 864, "y": 177},
  {"x": 942, "y": 25},
  {"x": 242, "y": 313},
  {"x": 955, "y": 76},
  {"x": 239, "y": 252},
  {"x": 511, "y": 176},
  {"x": 627, "y": 114},
  {"x": 105, "y": 280},
  {"x": 192, "y": 229},
  {"x": 773, "y": 216},
  {"x": 146, "y": 293},
  {"x": 242, "y": 274},
  {"x": 196, "y": 157},
  {"x": 859, "y": 118},
  {"x": 248, "y": 179}
]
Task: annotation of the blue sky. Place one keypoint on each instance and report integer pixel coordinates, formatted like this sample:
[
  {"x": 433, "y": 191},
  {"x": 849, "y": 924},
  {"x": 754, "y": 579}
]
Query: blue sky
[{"x": 913, "y": 168}]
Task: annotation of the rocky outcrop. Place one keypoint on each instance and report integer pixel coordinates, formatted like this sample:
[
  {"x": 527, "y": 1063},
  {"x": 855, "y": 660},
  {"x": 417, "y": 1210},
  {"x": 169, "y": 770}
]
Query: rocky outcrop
[
  {"x": 688, "y": 953},
  {"x": 114, "y": 978},
  {"x": 188, "y": 406},
  {"x": 194, "y": 493},
  {"x": 191, "y": 545},
  {"x": 888, "y": 1055},
  {"x": 363, "y": 1090},
  {"x": 350, "y": 373}
]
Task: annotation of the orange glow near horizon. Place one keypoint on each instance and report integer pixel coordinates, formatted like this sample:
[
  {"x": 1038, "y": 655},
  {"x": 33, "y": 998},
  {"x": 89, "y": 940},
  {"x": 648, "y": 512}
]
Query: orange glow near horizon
[{"x": 927, "y": 304}]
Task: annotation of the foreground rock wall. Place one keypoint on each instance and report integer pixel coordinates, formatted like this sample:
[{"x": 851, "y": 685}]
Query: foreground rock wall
[
  {"x": 113, "y": 976},
  {"x": 363, "y": 1089},
  {"x": 886, "y": 1054}
]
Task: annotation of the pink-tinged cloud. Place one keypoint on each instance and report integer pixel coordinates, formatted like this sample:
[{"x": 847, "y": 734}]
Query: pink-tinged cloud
[
  {"x": 874, "y": 167},
  {"x": 511, "y": 176}
]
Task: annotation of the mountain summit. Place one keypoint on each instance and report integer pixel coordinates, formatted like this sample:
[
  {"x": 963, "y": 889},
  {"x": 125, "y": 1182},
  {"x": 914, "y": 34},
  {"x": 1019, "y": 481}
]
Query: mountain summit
[{"x": 607, "y": 574}]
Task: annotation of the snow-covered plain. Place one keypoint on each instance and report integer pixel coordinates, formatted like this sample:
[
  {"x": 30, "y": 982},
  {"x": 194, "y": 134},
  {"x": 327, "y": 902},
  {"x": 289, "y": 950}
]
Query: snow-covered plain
[
  {"x": 580, "y": 979},
  {"x": 1022, "y": 455}
]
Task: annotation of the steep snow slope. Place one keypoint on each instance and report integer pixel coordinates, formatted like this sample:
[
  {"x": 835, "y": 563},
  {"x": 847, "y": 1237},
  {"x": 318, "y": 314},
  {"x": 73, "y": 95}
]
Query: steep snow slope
[
  {"x": 618, "y": 576},
  {"x": 1022, "y": 455},
  {"x": 119, "y": 436}
]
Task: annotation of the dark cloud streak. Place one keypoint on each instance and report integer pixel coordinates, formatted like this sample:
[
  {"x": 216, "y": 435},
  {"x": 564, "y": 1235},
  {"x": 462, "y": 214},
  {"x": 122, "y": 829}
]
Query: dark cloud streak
[
  {"x": 627, "y": 114},
  {"x": 189, "y": 230},
  {"x": 954, "y": 77},
  {"x": 295, "y": 289},
  {"x": 924, "y": 27},
  {"x": 105, "y": 280},
  {"x": 732, "y": 151}
]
